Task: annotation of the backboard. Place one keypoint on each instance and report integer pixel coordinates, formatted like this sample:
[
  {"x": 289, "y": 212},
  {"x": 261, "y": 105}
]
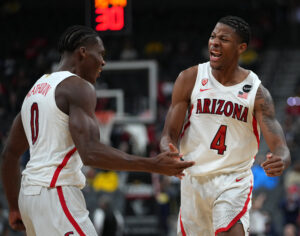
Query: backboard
[{"x": 133, "y": 87}]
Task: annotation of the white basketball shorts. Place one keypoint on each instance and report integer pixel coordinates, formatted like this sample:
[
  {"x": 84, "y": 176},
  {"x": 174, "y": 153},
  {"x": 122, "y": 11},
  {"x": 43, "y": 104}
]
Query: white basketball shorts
[
  {"x": 57, "y": 211},
  {"x": 213, "y": 204}
]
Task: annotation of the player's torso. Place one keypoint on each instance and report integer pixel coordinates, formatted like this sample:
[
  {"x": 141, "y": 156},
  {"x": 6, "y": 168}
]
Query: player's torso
[
  {"x": 221, "y": 134},
  {"x": 47, "y": 131}
]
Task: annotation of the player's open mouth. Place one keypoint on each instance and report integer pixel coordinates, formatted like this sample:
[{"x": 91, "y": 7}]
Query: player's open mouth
[{"x": 215, "y": 56}]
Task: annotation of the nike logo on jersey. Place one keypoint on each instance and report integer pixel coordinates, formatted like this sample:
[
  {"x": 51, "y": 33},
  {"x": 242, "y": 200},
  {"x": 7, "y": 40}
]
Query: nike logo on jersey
[
  {"x": 238, "y": 179},
  {"x": 202, "y": 90}
]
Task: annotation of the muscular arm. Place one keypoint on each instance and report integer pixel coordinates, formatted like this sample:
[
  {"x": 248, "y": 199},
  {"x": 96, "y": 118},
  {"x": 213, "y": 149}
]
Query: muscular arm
[
  {"x": 279, "y": 158},
  {"x": 85, "y": 133},
  {"x": 180, "y": 102},
  {"x": 15, "y": 146}
]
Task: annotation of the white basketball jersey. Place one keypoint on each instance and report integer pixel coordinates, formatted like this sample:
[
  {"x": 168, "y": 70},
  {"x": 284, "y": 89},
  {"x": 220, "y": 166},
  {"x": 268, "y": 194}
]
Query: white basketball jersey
[
  {"x": 221, "y": 134},
  {"x": 54, "y": 160}
]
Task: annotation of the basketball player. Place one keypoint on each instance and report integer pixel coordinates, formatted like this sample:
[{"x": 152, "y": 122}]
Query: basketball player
[
  {"x": 58, "y": 124},
  {"x": 227, "y": 107}
]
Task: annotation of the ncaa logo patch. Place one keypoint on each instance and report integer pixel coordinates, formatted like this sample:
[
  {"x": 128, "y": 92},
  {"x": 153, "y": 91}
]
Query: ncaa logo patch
[{"x": 204, "y": 81}]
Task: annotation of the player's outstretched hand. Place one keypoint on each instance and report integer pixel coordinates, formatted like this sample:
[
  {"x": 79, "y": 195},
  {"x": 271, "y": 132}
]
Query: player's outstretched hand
[
  {"x": 15, "y": 221},
  {"x": 273, "y": 166},
  {"x": 169, "y": 163}
]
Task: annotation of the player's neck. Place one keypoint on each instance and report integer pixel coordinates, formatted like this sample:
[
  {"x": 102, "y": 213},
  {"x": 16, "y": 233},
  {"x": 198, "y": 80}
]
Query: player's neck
[
  {"x": 230, "y": 76},
  {"x": 67, "y": 64}
]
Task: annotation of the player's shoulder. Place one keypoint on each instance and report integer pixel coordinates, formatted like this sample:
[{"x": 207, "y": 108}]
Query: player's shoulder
[
  {"x": 262, "y": 93},
  {"x": 76, "y": 88},
  {"x": 188, "y": 76},
  {"x": 189, "y": 72},
  {"x": 193, "y": 71},
  {"x": 250, "y": 75},
  {"x": 76, "y": 83},
  {"x": 185, "y": 81}
]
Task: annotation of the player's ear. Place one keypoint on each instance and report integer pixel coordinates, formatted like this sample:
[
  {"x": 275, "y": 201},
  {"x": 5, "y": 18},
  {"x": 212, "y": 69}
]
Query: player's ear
[
  {"x": 82, "y": 52},
  {"x": 242, "y": 47}
]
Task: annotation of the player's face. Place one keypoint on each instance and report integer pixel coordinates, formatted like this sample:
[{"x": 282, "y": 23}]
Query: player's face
[
  {"x": 93, "y": 61},
  {"x": 224, "y": 47}
]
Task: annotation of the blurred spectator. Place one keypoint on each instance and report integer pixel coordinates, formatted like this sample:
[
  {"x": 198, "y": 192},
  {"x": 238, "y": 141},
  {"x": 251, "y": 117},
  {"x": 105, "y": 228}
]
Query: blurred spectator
[
  {"x": 290, "y": 230},
  {"x": 107, "y": 221},
  {"x": 28, "y": 50},
  {"x": 294, "y": 109},
  {"x": 106, "y": 181},
  {"x": 163, "y": 200},
  {"x": 138, "y": 136},
  {"x": 289, "y": 130},
  {"x": 292, "y": 177},
  {"x": 128, "y": 52},
  {"x": 290, "y": 205},
  {"x": 258, "y": 218},
  {"x": 249, "y": 58},
  {"x": 153, "y": 49}
]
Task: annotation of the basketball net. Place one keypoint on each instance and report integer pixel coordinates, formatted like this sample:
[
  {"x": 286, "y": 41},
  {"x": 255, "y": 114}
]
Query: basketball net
[{"x": 106, "y": 120}]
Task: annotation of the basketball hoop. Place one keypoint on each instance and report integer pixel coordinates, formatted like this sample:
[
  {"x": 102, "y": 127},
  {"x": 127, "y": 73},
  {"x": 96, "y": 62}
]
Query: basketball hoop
[{"x": 106, "y": 120}]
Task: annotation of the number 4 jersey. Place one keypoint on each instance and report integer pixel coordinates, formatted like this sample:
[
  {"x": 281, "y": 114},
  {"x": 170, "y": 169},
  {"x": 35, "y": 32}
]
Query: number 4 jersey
[
  {"x": 54, "y": 160},
  {"x": 221, "y": 134}
]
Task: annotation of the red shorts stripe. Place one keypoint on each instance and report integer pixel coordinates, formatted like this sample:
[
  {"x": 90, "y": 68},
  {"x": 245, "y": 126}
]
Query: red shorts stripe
[
  {"x": 61, "y": 166},
  {"x": 239, "y": 215},
  {"x": 181, "y": 225},
  {"x": 67, "y": 212}
]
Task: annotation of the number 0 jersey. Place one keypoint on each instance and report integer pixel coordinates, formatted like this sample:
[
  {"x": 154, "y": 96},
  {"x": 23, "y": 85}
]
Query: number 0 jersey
[
  {"x": 54, "y": 160},
  {"x": 221, "y": 134}
]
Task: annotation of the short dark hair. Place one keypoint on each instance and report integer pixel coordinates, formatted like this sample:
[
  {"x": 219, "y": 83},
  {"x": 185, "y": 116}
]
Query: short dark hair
[
  {"x": 240, "y": 26},
  {"x": 75, "y": 36}
]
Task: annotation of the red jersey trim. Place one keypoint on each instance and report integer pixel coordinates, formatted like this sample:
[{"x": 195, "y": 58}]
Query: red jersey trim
[
  {"x": 244, "y": 210},
  {"x": 181, "y": 225},
  {"x": 188, "y": 123},
  {"x": 67, "y": 212},
  {"x": 61, "y": 166},
  {"x": 255, "y": 130}
]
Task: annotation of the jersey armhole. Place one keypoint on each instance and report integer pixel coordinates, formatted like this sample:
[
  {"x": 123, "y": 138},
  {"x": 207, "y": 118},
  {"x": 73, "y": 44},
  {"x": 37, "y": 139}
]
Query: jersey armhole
[
  {"x": 197, "y": 81},
  {"x": 256, "y": 85},
  {"x": 55, "y": 106}
]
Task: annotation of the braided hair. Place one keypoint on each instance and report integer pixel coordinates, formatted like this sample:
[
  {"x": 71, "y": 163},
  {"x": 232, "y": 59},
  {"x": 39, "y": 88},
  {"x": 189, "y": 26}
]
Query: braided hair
[
  {"x": 240, "y": 26},
  {"x": 76, "y": 36}
]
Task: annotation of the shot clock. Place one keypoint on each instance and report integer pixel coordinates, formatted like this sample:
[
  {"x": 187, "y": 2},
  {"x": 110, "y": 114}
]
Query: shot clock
[{"x": 111, "y": 16}]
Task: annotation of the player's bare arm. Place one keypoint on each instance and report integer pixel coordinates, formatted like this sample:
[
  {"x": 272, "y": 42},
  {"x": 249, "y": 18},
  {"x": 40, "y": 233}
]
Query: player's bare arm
[
  {"x": 182, "y": 90},
  {"x": 279, "y": 158},
  {"x": 15, "y": 146},
  {"x": 81, "y": 100}
]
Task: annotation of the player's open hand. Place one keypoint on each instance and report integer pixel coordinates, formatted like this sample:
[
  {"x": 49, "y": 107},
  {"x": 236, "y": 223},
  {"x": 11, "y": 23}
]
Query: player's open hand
[
  {"x": 15, "y": 220},
  {"x": 170, "y": 163},
  {"x": 273, "y": 166}
]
